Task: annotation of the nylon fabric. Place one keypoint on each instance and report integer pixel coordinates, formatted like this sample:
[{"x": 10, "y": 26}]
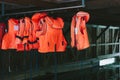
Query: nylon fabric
[
  {"x": 9, "y": 38},
  {"x": 51, "y": 38},
  {"x": 79, "y": 36}
]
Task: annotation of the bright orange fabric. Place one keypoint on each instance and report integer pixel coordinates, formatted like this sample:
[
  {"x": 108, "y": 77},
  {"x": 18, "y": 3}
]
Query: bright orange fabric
[
  {"x": 79, "y": 36},
  {"x": 19, "y": 36},
  {"x": 9, "y": 38},
  {"x": 26, "y": 32},
  {"x": 33, "y": 43},
  {"x": 51, "y": 38},
  {"x": 23, "y": 34}
]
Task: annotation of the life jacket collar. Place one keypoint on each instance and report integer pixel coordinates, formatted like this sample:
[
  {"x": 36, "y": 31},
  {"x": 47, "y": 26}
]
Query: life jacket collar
[
  {"x": 37, "y": 16},
  {"x": 58, "y": 23},
  {"x": 84, "y": 15}
]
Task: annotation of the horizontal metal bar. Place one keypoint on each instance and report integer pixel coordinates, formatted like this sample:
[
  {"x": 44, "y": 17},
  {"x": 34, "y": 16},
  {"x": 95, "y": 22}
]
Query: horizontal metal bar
[
  {"x": 109, "y": 55},
  {"x": 112, "y": 66},
  {"x": 3, "y": 8},
  {"x": 61, "y": 1},
  {"x": 105, "y": 44},
  {"x": 67, "y": 67},
  {"x": 100, "y": 44},
  {"x": 102, "y": 26},
  {"x": 61, "y": 68},
  {"x": 46, "y": 10},
  {"x": 102, "y": 32},
  {"x": 13, "y": 4}
]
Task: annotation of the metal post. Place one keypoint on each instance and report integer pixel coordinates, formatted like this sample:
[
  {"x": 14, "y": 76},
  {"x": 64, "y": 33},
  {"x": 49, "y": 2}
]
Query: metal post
[
  {"x": 3, "y": 8},
  {"x": 83, "y": 3},
  {"x": 119, "y": 55},
  {"x": 55, "y": 66},
  {"x": 9, "y": 67},
  {"x": 36, "y": 61},
  {"x": 114, "y": 49},
  {"x": 31, "y": 59},
  {"x": 2, "y": 68},
  {"x": 96, "y": 42},
  {"x": 25, "y": 61},
  {"x": 102, "y": 32},
  {"x": 52, "y": 9},
  {"x": 107, "y": 44}
]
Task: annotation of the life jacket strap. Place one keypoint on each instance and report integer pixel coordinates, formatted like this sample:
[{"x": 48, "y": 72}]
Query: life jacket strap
[
  {"x": 33, "y": 42},
  {"x": 25, "y": 36},
  {"x": 19, "y": 37}
]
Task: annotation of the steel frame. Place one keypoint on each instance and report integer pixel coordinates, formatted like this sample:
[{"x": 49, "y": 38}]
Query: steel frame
[
  {"x": 3, "y": 8},
  {"x": 71, "y": 67},
  {"x": 47, "y": 10},
  {"x": 80, "y": 64},
  {"x": 102, "y": 32}
]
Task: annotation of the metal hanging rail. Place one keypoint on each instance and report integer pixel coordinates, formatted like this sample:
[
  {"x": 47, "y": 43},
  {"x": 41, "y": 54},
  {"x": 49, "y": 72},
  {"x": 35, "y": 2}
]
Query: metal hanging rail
[
  {"x": 3, "y": 8},
  {"x": 46, "y": 10}
]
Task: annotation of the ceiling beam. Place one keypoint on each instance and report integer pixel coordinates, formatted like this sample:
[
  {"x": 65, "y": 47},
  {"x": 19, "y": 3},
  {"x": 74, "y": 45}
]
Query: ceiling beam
[
  {"x": 61, "y": 1},
  {"x": 32, "y": 2},
  {"x": 90, "y": 4},
  {"x": 14, "y": 4},
  {"x": 8, "y": 3}
]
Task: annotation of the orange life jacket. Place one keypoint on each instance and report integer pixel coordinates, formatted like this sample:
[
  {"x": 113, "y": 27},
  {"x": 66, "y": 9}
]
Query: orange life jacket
[
  {"x": 19, "y": 35},
  {"x": 27, "y": 32},
  {"x": 51, "y": 38},
  {"x": 2, "y": 32},
  {"x": 9, "y": 38},
  {"x": 33, "y": 40},
  {"x": 79, "y": 37},
  {"x": 23, "y": 34}
]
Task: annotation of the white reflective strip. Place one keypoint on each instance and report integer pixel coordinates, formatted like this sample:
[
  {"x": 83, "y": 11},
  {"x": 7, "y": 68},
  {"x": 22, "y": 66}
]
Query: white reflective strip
[
  {"x": 16, "y": 27},
  {"x": 6, "y": 30},
  {"x": 76, "y": 19},
  {"x": 76, "y": 31}
]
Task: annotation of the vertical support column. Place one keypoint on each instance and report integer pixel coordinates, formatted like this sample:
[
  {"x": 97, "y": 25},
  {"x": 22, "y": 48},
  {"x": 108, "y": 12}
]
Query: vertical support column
[
  {"x": 113, "y": 47},
  {"x": 9, "y": 67},
  {"x": 104, "y": 49},
  {"x": 98, "y": 74},
  {"x": 3, "y": 8},
  {"x": 106, "y": 74},
  {"x": 37, "y": 66},
  {"x": 55, "y": 66},
  {"x": 25, "y": 61},
  {"x": 110, "y": 40},
  {"x": 119, "y": 52},
  {"x": 98, "y": 40},
  {"x": 119, "y": 39},
  {"x": 83, "y": 3},
  {"x": 116, "y": 40},
  {"x": 103, "y": 40},
  {"x": 31, "y": 59},
  {"x": 94, "y": 49},
  {"x": 106, "y": 41},
  {"x": 113, "y": 36}
]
